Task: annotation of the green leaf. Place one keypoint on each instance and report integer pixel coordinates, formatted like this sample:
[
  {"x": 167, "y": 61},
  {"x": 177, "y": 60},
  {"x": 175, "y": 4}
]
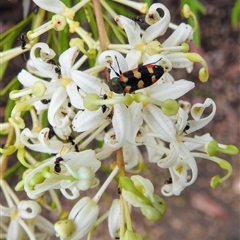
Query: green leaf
[{"x": 235, "y": 13}]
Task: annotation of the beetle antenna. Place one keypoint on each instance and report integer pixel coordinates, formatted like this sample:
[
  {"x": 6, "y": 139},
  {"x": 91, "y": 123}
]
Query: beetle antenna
[{"x": 120, "y": 72}]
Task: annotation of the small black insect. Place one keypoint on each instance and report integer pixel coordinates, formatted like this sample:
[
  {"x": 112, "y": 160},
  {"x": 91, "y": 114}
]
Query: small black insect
[
  {"x": 46, "y": 101},
  {"x": 71, "y": 140},
  {"x": 187, "y": 127},
  {"x": 57, "y": 68},
  {"x": 104, "y": 107},
  {"x": 23, "y": 40},
  {"x": 57, "y": 167},
  {"x": 137, "y": 19},
  {"x": 169, "y": 181}
]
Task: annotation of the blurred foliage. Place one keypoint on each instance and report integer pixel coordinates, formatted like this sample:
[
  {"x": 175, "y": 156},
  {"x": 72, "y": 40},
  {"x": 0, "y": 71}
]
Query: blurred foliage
[
  {"x": 235, "y": 14},
  {"x": 197, "y": 8}
]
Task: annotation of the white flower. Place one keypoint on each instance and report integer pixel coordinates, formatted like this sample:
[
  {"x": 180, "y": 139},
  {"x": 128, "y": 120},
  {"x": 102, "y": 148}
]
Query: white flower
[
  {"x": 178, "y": 157},
  {"x": 24, "y": 217},
  {"x": 59, "y": 90},
  {"x": 40, "y": 142},
  {"x": 146, "y": 45},
  {"x": 72, "y": 172}
]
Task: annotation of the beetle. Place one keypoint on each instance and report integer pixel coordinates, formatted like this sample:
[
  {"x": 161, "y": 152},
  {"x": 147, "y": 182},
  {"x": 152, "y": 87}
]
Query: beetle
[
  {"x": 135, "y": 79},
  {"x": 57, "y": 167}
]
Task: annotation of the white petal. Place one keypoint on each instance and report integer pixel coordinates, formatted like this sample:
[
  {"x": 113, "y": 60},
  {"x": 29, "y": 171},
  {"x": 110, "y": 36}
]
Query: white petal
[
  {"x": 132, "y": 58},
  {"x": 170, "y": 90},
  {"x": 54, "y": 144},
  {"x": 50, "y": 146},
  {"x": 84, "y": 214},
  {"x": 197, "y": 111},
  {"x": 131, "y": 156},
  {"x": 131, "y": 28},
  {"x": 104, "y": 60},
  {"x": 55, "y": 6},
  {"x": 70, "y": 192},
  {"x": 75, "y": 97},
  {"x": 181, "y": 34},
  {"x": 89, "y": 83},
  {"x": 55, "y": 118},
  {"x": 159, "y": 26},
  {"x": 154, "y": 155},
  {"x": 46, "y": 185},
  {"x": 28, "y": 209},
  {"x": 67, "y": 59},
  {"x": 47, "y": 68},
  {"x": 14, "y": 230},
  {"x": 185, "y": 154},
  {"x": 27, "y": 79},
  {"x": 160, "y": 123},
  {"x": 122, "y": 124},
  {"x": 198, "y": 145},
  {"x": 114, "y": 219},
  {"x": 85, "y": 158},
  {"x": 179, "y": 61},
  {"x": 171, "y": 158},
  {"x": 85, "y": 120},
  {"x": 44, "y": 225},
  {"x": 135, "y": 110}
]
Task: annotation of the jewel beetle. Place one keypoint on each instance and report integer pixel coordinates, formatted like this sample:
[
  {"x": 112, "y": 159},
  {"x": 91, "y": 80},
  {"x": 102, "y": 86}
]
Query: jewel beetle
[{"x": 135, "y": 79}]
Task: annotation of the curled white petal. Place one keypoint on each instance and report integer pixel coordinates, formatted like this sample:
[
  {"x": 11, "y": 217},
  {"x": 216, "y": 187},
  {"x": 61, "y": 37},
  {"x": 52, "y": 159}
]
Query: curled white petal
[
  {"x": 40, "y": 141},
  {"x": 171, "y": 158},
  {"x": 159, "y": 25},
  {"x": 42, "y": 66},
  {"x": 28, "y": 209},
  {"x": 71, "y": 192},
  {"x": 197, "y": 111}
]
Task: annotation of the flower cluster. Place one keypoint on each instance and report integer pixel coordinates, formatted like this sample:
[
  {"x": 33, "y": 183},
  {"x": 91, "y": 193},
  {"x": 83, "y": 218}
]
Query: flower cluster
[{"x": 90, "y": 117}]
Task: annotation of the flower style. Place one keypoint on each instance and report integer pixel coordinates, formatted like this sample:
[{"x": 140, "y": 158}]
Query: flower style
[{"x": 77, "y": 172}]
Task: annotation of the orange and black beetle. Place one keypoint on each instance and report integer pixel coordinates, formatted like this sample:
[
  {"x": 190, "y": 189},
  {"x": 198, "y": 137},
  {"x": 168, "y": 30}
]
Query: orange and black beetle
[{"x": 135, "y": 79}]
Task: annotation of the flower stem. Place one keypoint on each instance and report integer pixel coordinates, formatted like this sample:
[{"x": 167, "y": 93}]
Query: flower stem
[{"x": 104, "y": 41}]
